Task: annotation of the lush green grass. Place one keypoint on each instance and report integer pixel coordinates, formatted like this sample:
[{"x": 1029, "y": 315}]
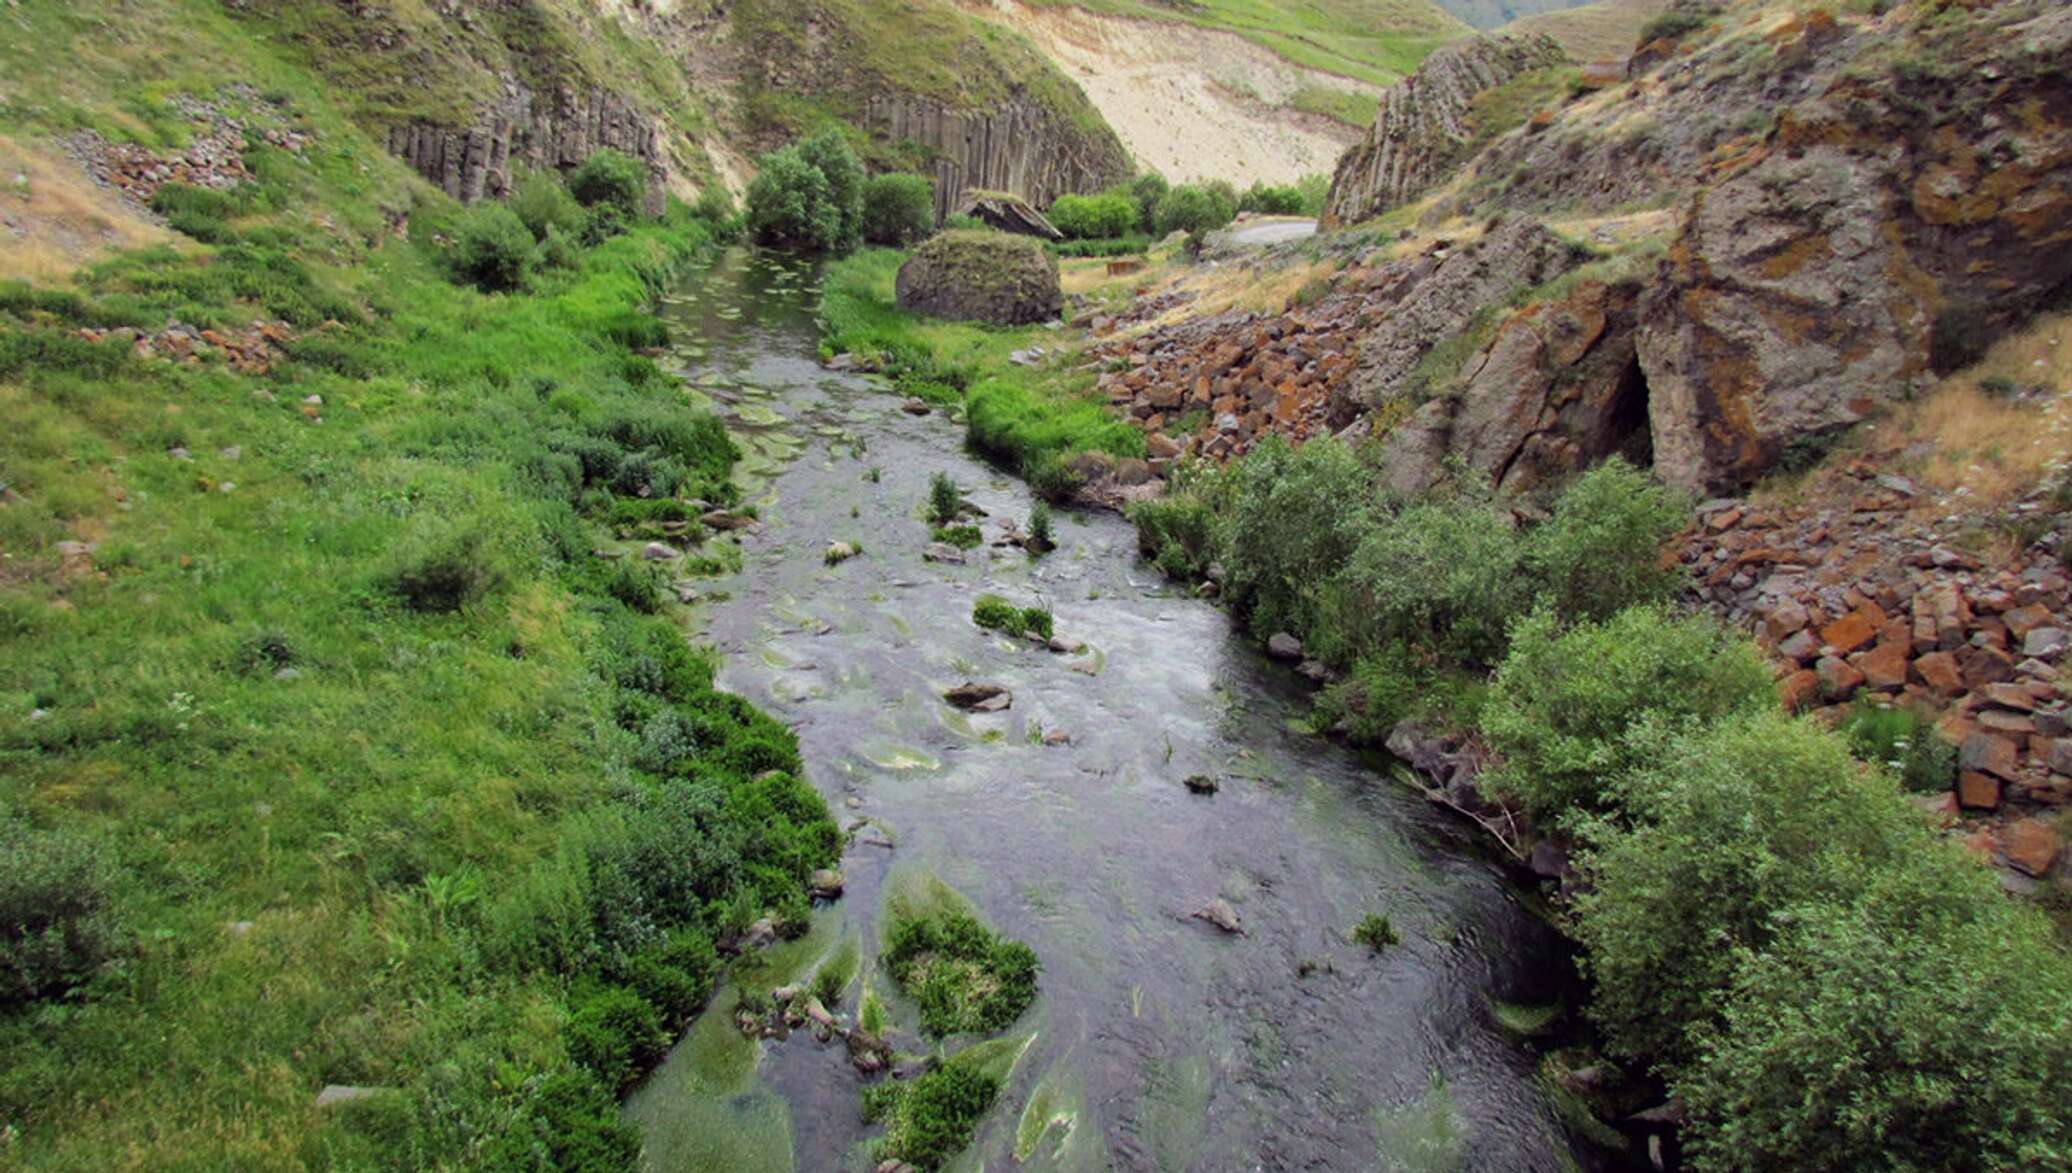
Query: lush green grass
[
  {"x": 1355, "y": 108},
  {"x": 389, "y": 781},
  {"x": 1031, "y": 421}
]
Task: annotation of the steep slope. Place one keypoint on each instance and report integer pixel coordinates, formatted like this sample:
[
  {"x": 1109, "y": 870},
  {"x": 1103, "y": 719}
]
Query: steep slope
[
  {"x": 1197, "y": 103},
  {"x": 1606, "y": 30}
]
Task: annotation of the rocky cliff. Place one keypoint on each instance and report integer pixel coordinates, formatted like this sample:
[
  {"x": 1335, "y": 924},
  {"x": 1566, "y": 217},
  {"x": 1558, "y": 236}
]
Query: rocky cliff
[
  {"x": 1020, "y": 147},
  {"x": 558, "y": 130},
  {"x": 1422, "y": 131}
]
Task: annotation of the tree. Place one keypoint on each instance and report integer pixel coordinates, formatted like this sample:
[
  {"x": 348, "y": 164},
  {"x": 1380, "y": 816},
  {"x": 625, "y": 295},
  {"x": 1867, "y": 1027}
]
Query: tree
[
  {"x": 611, "y": 178},
  {"x": 1191, "y": 210},
  {"x": 898, "y": 209},
  {"x": 789, "y": 204},
  {"x": 1095, "y": 217},
  {"x": 829, "y": 152},
  {"x": 1148, "y": 189},
  {"x": 493, "y": 249}
]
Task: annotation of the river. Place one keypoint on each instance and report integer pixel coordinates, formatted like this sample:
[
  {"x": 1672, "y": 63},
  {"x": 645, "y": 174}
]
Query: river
[{"x": 1157, "y": 1042}]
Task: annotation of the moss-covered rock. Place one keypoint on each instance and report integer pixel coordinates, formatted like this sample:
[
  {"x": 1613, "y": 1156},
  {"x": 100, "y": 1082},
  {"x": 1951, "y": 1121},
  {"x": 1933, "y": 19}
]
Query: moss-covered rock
[{"x": 981, "y": 277}]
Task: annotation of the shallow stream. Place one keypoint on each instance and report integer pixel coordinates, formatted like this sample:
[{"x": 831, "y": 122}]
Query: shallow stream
[{"x": 1157, "y": 1041}]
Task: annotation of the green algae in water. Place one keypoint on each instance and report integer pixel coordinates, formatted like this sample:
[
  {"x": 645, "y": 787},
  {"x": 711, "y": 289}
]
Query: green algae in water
[
  {"x": 1174, "y": 1110},
  {"x": 887, "y": 756},
  {"x": 1426, "y": 1136},
  {"x": 757, "y": 415}
]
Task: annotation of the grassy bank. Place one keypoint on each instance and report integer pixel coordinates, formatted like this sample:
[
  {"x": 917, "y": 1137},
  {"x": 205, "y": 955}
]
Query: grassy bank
[
  {"x": 330, "y": 754},
  {"x": 1771, "y": 929},
  {"x": 1033, "y": 420}
]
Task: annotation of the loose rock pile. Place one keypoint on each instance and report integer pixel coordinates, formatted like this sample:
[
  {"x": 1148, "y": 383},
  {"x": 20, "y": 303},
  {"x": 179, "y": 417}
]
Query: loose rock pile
[
  {"x": 251, "y": 351},
  {"x": 214, "y": 158},
  {"x": 1860, "y": 598}
]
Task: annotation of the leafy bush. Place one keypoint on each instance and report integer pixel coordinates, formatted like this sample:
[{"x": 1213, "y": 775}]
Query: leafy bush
[
  {"x": 897, "y": 209},
  {"x": 790, "y": 204},
  {"x": 493, "y": 249},
  {"x": 715, "y": 203},
  {"x": 1192, "y": 210},
  {"x": 829, "y": 153},
  {"x": 962, "y": 976},
  {"x": 201, "y": 212},
  {"x": 1290, "y": 518},
  {"x": 1272, "y": 200},
  {"x": 614, "y": 1032},
  {"x": 1903, "y": 741},
  {"x": 1671, "y": 24},
  {"x": 1040, "y": 526},
  {"x": 1564, "y": 701},
  {"x": 1148, "y": 189},
  {"x": 57, "y": 918},
  {"x": 944, "y": 501},
  {"x": 1223, "y": 198},
  {"x": 930, "y": 1120},
  {"x": 1095, "y": 217},
  {"x": 1375, "y": 932},
  {"x": 1443, "y": 576},
  {"x": 444, "y": 572},
  {"x": 546, "y": 207},
  {"x": 964, "y": 537},
  {"x": 614, "y": 180},
  {"x": 567, "y": 1121},
  {"x": 1602, "y": 552}
]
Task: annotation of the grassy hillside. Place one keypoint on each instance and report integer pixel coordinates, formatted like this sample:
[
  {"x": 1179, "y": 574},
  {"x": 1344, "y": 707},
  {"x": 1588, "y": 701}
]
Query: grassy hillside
[
  {"x": 329, "y": 753},
  {"x": 1373, "y": 40},
  {"x": 1605, "y": 30}
]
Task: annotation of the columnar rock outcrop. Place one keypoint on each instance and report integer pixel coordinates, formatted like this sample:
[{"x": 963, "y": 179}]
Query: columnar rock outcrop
[
  {"x": 560, "y": 129},
  {"x": 1423, "y": 126},
  {"x": 1019, "y": 148}
]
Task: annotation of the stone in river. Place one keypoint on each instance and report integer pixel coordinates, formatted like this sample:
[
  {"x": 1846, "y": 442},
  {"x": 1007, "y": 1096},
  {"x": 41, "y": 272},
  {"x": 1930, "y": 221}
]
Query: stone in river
[
  {"x": 1218, "y": 912},
  {"x": 983, "y": 698}
]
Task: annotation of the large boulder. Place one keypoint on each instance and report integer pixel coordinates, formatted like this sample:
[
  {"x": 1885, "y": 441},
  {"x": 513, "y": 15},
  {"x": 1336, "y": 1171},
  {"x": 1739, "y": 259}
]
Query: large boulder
[{"x": 982, "y": 277}]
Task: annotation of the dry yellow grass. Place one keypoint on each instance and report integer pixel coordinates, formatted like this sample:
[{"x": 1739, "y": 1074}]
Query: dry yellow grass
[
  {"x": 1243, "y": 287},
  {"x": 1604, "y": 31},
  {"x": 1990, "y": 448},
  {"x": 54, "y": 218}
]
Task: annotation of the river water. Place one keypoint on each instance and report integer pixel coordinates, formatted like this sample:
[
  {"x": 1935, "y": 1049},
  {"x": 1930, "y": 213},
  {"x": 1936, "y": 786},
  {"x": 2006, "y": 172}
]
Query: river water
[{"x": 1157, "y": 1042}]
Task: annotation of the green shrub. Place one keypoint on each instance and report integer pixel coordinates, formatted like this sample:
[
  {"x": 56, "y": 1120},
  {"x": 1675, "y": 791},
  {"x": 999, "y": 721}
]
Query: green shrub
[
  {"x": 1904, "y": 741},
  {"x": 1095, "y": 217},
  {"x": 615, "y": 1033},
  {"x": 57, "y": 920},
  {"x": 444, "y": 573},
  {"x": 790, "y": 204},
  {"x": 1040, "y": 526},
  {"x": 1602, "y": 553},
  {"x": 1870, "y": 1029},
  {"x": 944, "y": 501},
  {"x": 930, "y": 1119},
  {"x": 1148, "y": 190},
  {"x": 964, "y": 537},
  {"x": 1564, "y": 701},
  {"x": 614, "y": 180},
  {"x": 546, "y": 207},
  {"x": 829, "y": 153},
  {"x": 201, "y": 212},
  {"x": 1192, "y": 210},
  {"x": 897, "y": 209},
  {"x": 1375, "y": 932},
  {"x": 715, "y": 203},
  {"x": 961, "y": 975},
  {"x": 636, "y": 584},
  {"x": 492, "y": 249},
  {"x": 566, "y": 1121},
  {"x": 1441, "y": 578},
  {"x": 1272, "y": 200},
  {"x": 676, "y": 975},
  {"x": 1290, "y": 518},
  {"x": 1670, "y": 25},
  {"x": 1223, "y": 198},
  {"x": 1724, "y": 826},
  {"x": 1380, "y": 690},
  {"x": 997, "y": 614}
]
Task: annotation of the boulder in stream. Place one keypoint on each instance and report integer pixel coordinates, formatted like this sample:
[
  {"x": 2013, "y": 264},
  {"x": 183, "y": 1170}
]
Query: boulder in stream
[
  {"x": 825, "y": 883},
  {"x": 979, "y": 698},
  {"x": 1282, "y": 646},
  {"x": 1218, "y": 912}
]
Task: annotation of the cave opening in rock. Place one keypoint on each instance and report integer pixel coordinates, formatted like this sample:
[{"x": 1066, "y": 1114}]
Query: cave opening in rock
[{"x": 1627, "y": 424}]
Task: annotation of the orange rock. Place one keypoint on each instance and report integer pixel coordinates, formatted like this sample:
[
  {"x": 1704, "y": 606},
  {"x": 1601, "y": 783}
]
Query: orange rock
[
  {"x": 1852, "y": 631},
  {"x": 1799, "y": 689},
  {"x": 1989, "y": 752},
  {"x": 2032, "y": 845},
  {"x": 1938, "y": 670},
  {"x": 1884, "y": 667},
  {"x": 1976, "y": 791}
]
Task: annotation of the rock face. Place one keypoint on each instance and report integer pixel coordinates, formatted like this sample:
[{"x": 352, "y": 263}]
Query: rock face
[
  {"x": 1868, "y": 245},
  {"x": 1021, "y": 148},
  {"x": 1008, "y": 213},
  {"x": 558, "y": 129},
  {"x": 981, "y": 277},
  {"x": 1423, "y": 126}
]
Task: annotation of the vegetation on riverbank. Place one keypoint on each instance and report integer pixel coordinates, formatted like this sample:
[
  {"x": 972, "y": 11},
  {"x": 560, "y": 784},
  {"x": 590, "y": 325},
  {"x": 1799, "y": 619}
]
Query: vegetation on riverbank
[
  {"x": 1033, "y": 420},
  {"x": 1768, "y": 922},
  {"x": 357, "y": 766}
]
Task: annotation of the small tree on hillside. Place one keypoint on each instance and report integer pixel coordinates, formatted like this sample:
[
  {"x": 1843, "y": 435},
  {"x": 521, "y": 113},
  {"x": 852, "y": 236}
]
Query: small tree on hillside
[
  {"x": 611, "y": 178},
  {"x": 830, "y": 153},
  {"x": 789, "y": 205}
]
